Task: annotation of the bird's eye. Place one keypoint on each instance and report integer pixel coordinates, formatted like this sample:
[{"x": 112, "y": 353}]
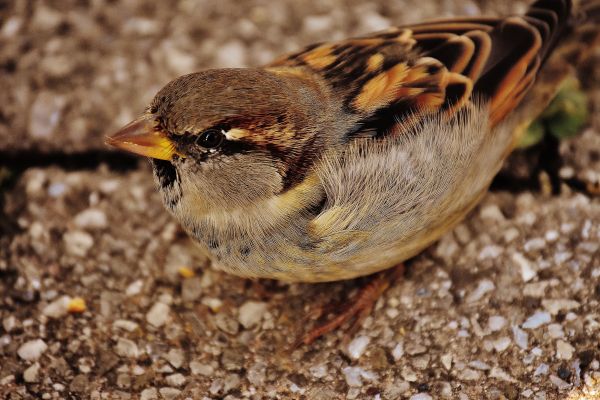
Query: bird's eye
[{"x": 210, "y": 138}]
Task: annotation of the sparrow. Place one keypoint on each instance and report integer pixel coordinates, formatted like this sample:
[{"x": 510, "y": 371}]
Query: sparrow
[{"x": 349, "y": 157}]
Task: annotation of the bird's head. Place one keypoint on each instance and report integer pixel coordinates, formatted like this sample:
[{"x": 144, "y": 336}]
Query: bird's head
[{"x": 230, "y": 137}]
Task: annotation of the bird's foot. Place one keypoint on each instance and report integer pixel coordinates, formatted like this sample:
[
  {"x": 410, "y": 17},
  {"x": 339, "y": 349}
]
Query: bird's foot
[{"x": 359, "y": 307}]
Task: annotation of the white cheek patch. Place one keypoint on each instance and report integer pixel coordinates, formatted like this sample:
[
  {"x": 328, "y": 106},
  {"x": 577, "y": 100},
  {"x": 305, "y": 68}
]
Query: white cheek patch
[{"x": 235, "y": 134}]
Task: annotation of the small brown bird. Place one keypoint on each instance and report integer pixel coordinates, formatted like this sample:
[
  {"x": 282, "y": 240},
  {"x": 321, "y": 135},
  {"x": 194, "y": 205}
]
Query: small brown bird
[{"x": 349, "y": 157}]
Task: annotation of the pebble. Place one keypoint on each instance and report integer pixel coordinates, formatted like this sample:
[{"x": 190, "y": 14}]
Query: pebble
[
  {"x": 492, "y": 213},
  {"x": 554, "y": 306},
  {"x": 534, "y": 245},
  {"x": 78, "y": 243},
  {"x": 398, "y": 351},
  {"x": 45, "y": 114},
  {"x": 149, "y": 394},
  {"x": 536, "y": 320},
  {"x": 158, "y": 314},
  {"x": 126, "y": 348},
  {"x": 525, "y": 267},
  {"x": 134, "y": 288},
  {"x": 257, "y": 374},
  {"x": 480, "y": 365},
  {"x": 199, "y": 368},
  {"x": 58, "y": 308},
  {"x": 92, "y": 218},
  {"x": 9, "y": 323},
  {"x": 354, "y": 376},
  {"x": 191, "y": 289},
  {"x": 542, "y": 369},
  {"x": 446, "y": 360},
  {"x": 318, "y": 371},
  {"x": 496, "y": 323},
  {"x": 125, "y": 324},
  {"x": 502, "y": 343},
  {"x": 231, "y": 382},
  {"x": 357, "y": 347},
  {"x": 227, "y": 324},
  {"x": 564, "y": 350},
  {"x": 169, "y": 393},
  {"x": 251, "y": 313},
  {"x": 32, "y": 374},
  {"x": 176, "y": 358},
  {"x": 559, "y": 383},
  {"x": 32, "y": 350},
  {"x": 231, "y": 54},
  {"x": 556, "y": 331},
  {"x": 175, "y": 380},
  {"x": 421, "y": 396},
  {"x": 484, "y": 286},
  {"x": 499, "y": 373},
  {"x": 469, "y": 374}
]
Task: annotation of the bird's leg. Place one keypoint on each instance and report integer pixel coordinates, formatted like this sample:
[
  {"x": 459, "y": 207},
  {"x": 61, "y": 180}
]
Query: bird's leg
[{"x": 358, "y": 308}]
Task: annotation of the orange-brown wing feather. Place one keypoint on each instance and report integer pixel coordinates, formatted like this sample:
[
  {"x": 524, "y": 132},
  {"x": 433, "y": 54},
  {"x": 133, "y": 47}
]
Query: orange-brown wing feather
[{"x": 437, "y": 65}]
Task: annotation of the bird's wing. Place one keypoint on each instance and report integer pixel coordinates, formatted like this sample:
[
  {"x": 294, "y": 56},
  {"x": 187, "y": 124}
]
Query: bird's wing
[{"x": 436, "y": 66}]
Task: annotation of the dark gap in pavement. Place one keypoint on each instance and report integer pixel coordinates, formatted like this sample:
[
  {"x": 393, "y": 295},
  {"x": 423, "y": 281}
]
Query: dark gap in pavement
[
  {"x": 86, "y": 160},
  {"x": 13, "y": 164}
]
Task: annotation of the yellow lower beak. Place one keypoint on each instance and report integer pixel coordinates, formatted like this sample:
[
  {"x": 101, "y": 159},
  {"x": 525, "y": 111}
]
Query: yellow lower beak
[{"x": 142, "y": 137}]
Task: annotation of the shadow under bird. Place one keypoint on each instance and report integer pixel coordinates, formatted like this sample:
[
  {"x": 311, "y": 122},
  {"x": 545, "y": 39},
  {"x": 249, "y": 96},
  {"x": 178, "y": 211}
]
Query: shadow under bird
[{"x": 349, "y": 157}]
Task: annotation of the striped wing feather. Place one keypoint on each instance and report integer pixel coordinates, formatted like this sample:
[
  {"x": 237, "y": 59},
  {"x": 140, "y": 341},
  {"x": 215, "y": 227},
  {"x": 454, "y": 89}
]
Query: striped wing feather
[{"x": 438, "y": 65}]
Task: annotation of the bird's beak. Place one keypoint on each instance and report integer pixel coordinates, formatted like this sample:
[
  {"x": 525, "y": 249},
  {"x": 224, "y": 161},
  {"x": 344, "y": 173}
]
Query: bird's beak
[{"x": 142, "y": 137}]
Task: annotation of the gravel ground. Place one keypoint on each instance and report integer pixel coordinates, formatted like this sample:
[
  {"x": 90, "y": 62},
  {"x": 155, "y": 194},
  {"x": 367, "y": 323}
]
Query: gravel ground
[{"x": 103, "y": 296}]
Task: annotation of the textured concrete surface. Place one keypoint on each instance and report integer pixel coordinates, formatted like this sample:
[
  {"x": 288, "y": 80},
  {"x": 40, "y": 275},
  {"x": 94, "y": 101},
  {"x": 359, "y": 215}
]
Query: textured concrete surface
[{"x": 103, "y": 296}]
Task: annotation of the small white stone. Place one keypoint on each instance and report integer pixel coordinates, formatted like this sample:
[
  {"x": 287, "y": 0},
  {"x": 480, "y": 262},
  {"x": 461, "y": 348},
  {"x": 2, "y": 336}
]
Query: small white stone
[
  {"x": 536, "y": 320},
  {"x": 78, "y": 243},
  {"x": 355, "y": 375},
  {"x": 45, "y": 114},
  {"x": 499, "y": 373},
  {"x": 199, "y": 368},
  {"x": 251, "y": 313},
  {"x": 398, "y": 351},
  {"x": 126, "y": 348},
  {"x": 492, "y": 213},
  {"x": 446, "y": 360},
  {"x": 421, "y": 396},
  {"x": 552, "y": 236},
  {"x": 490, "y": 252},
  {"x": 534, "y": 245},
  {"x": 175, "y": 380},
  {"x": 496, "y": 323},
  {"x": 521, "y": 337},
  {"x": 559, "y": 383},
  {"x": 527, "y": 271},
  {"x": 231, "y": 54},
  {"x": 357, "y": 347},
  {"x": 483, "y": 287},
  {"x": 134, "y": 288},
  {"x": 502, "y": 343},
  {"x": 318, "y": 371},
  {"x": 564, "y": 350},
  {"x": 176, "y": 357},
  {"x": 125, "y": 324},
  {"x": 480, "y": 365},
  {"x": 32, "y": 350},
  {"x": 149, "y": 394},
  {"x": 158, "y": 314},
  {"x": 554, "y": 306},
  {"x": 556, "y": 331},
  {"x": 92, "y": 218},
  {"x": 169, "y": 393},
  {"x": 469, "y": 374},
  {"x": 542, "y": 369},
  {"x": 32, "y": 374},
  {"x": 58, "y": 308}
]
